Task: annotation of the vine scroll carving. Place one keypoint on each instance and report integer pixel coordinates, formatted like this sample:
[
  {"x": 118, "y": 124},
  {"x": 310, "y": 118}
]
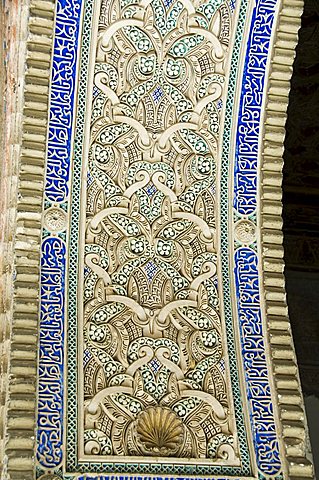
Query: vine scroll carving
[{"x": 156, "y": 374}]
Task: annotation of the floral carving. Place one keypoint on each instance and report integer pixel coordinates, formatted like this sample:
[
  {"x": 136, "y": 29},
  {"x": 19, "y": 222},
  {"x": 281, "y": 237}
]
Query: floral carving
[
  {"x": 156, "y": 372},
  {"x": 55, "y": 220}
]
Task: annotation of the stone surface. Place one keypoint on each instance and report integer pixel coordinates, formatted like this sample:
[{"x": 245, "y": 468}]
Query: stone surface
[{"x": 9, "y": 38}]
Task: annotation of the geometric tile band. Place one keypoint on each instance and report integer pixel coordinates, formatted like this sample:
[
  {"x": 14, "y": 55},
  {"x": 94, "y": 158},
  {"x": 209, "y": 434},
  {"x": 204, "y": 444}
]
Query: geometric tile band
[
  {"x": 53, "y": 260},
  {"x": 151, "y": 299}
]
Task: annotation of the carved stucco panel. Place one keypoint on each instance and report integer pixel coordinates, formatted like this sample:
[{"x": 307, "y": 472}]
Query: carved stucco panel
[{"x": 156, "y": 373}]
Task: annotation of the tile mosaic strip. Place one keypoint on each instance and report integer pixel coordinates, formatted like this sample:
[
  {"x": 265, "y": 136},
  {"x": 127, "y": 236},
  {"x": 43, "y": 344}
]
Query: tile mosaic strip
[
  {"x": 250, "y": 110},
  {"x": 72, "y": 399},
  {"x": 246, "y": 177},
  {"x": 255, "y": 362},
  {"x": 51, "y": 361},
  {"x": 137, "y": 477},
  {"x": 53, "y": 258},
  {"x": 62, "y": 98}
]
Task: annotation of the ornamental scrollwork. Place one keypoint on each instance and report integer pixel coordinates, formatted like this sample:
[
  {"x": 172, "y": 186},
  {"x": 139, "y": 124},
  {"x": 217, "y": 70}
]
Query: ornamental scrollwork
[{"x": 156, "y": 374}]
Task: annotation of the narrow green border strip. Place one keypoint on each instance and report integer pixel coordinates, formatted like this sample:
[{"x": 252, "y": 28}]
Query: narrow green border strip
[{"x": 72, "y": 463}]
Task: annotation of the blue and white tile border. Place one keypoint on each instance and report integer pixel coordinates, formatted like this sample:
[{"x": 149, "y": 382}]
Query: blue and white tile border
[
  {"x": 291, "y": 414},
  {"x": 54, "y": 248},
  {"x": 24, "y": 375}
]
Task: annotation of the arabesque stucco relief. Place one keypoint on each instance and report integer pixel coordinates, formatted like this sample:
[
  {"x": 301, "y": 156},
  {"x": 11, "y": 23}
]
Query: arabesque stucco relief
[{"x": 155, "y": 365}]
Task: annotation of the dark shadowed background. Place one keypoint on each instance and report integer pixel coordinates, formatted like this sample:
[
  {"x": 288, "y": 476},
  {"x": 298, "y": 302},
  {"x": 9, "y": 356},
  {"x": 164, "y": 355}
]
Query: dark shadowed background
[{"x": 301, "y": 213}]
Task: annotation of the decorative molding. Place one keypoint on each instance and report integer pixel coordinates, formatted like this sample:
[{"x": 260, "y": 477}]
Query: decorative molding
[
  {"x": 290, "y": 400},
  {"x": 7, "y": 210},
  {"x": 152, "y": 321},
  {"x": 35, "y": 25}
]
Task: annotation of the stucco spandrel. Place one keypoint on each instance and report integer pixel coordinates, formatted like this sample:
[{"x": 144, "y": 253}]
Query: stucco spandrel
[{"x": 156, "y": 375}]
